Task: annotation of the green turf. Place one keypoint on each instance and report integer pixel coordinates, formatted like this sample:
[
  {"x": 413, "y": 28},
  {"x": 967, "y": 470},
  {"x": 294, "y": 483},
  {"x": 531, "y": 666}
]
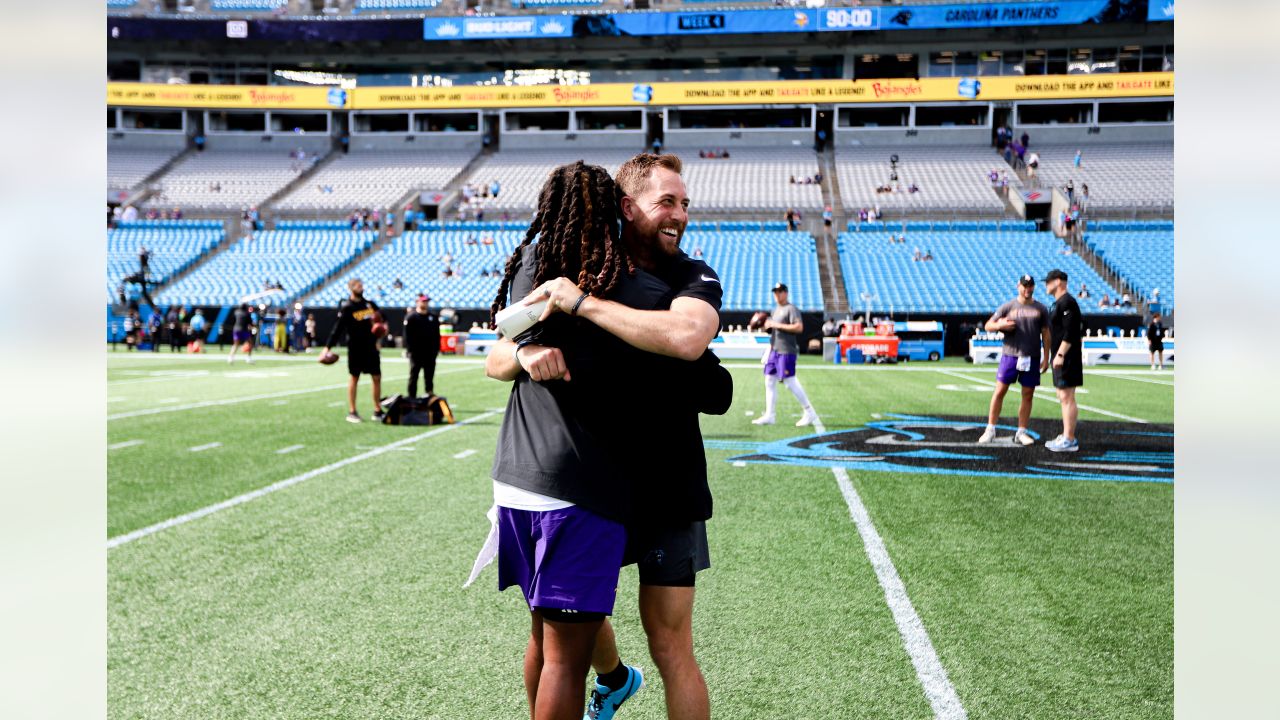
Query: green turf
[{"x": 340, "y": 596}]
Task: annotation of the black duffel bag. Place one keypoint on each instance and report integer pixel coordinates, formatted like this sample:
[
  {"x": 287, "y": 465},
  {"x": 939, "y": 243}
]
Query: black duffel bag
[{"x": 429, "y": 410}]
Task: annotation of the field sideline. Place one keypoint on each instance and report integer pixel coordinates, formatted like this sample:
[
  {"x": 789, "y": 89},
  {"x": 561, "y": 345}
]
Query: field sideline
[{"x": 268, "y": 559}]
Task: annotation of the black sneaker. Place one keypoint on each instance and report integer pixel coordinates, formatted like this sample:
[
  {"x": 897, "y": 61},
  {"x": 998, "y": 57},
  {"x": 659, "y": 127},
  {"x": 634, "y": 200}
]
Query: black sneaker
[
  {"x": 353, "y": 417},
  {"x": 378, "y": 416}
]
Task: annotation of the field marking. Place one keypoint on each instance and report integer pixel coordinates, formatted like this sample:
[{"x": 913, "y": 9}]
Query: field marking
[
  {"x": 119, "y": 540},
  {"x": 287, "y": 450},
  {"x": 929, "y": 671},
  {"x": 208, "y": 446},
  {"x": 125, "y": 444},
  {"x": 391, "y": 355},
  {"x": 465, "y": 454},
  {"x": 1053, "y": 398},
  {"x": 168, "y": 401},
  {"x": 922, "y": 366},
  {"x": 188, "y": 375},
  {"x": 251, "y": 398},
  {"x": 1108, "y": 466},
  {"x": 1134, "y": 378}
]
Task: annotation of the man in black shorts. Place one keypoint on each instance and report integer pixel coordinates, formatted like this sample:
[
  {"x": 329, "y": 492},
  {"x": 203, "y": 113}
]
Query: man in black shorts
[
  {"x": 1155, "y": 341},
  {"x": 1066, "y": 332},
  {"x": 355, "y": 318},
  {"x": 422, "y": 342},
  {"x": 668, "y": 539}
]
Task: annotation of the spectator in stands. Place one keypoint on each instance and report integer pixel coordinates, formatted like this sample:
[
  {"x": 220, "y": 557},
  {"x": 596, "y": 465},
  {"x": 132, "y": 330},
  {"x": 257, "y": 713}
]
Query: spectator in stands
[
  {"x": 917, "y": 255},
  {"x": 480, "y": 214},
  {"x": 1020, "y": 155},
  {"x": 656, "y": 146},
  {"x": 1033, "y": 164},
  {"x": 484, "y": 273},
  {"x": 177, "y": 213},
  {"x": 862, "y": 215},
  {"x": 495, "y": 187},
  {"x": 1126, "y": 301},
  {"x": 928, "y": 255},
  {"x": 215, "y": 186},
  {"x": 375, "y": 218},
  {"x": 1084, "y": 196},
  {"x": 1071, "y": 191},
  {"x": 994, "y": 177},
  {"x": 487, "y": 239},
  {"x": 153, "y": 214},
  {"x": 793, "y": 179},
  {"x": 471, "y": 240},
  {"x": 1076, "y": 161},
  {"x": 827, "y": 218},
  {"x": 448, "y": 271},
  {"x": 397, "y": 284},
  {"x": 817, "y": 177},
  {"x": 914, "y": 188},
  {"x": 822, "y": 141},
  {"x": 1105, "y": 302},
  {"x": 1026, "y": 139},
  {"x": 791, "y": 217},
  {"x": 697, "y": 252},
  {"x": 879, "y": 214}
]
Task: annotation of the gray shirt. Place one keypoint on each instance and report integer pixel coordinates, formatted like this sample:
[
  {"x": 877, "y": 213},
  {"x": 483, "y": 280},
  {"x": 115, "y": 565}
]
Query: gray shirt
[
  {"x": 782, "y": 342},
  {"x": 1031, "y": 319}
]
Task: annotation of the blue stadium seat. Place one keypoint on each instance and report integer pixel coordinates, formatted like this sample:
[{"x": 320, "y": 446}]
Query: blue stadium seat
[
  {"x": 174, "y": 245},
  {"x": 1142, "y": 254}
]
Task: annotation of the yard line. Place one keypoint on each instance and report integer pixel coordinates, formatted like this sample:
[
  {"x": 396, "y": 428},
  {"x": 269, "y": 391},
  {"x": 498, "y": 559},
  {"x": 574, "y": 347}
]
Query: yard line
[
  {"x": 929, "y": 671},
  {"x": 1052, "y": 398},
  {"x": 287, "y": 450},
  {"x": 125, "y": 444},
  {"x": 264, "y": 396},
  {"x": 202, "y": 448},
  {"x": 281, "y": 485},
  {"x": 464, "y": 454},
  {"x": 188, "y": 376},
  {"x": 1134, "y": 378}
]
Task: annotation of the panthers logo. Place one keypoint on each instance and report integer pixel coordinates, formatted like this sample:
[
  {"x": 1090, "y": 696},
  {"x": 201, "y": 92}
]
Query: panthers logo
[{"x": 1116, "y": 452}]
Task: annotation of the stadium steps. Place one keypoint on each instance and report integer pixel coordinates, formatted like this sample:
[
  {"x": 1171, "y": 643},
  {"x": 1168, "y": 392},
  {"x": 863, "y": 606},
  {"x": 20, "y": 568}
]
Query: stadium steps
[
  {"x": 302, "y": 179},
  {"x": 382, "y": 241},
  {"x": 453, "y": 190},
  {"x": 834, "y": 299},
  {"x": 143, "y": 190},
  {"x": 1100, "y": 266}
]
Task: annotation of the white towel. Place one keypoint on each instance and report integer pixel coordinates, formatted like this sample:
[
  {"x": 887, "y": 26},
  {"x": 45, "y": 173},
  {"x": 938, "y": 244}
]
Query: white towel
[
  {"x": 1024, "y": 364},
  {"x": 489, "y": 550}
]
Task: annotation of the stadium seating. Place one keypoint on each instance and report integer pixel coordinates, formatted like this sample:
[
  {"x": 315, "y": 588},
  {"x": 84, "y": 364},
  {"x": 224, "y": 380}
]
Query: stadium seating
[
  {"x": 174, "y": 245},
  {"x": 750, "y": 262},
  {"x": 375, "y": 179},
  {"x": 973, "y": 271},
  {"x": 128, "y": 167},
  {"x": 249, "y": 5},
  {"x": 751, "y": 179},
  {"x": 950, "y": 178},
  {"x": 522, "y": 173},
  {"x": 395, "y": 5},
  {"x": 297, "y": 259},
  {"x": 121, "y": 4},
  {"x": 1120, "y": 176},
  {"x": 245, "y": 178},
  {"x": 1142, "y": 256}
]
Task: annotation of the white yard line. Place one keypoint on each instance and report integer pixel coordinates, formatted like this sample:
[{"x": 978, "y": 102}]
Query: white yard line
[
  {"x": 1053, "y": 397},
  {"x": 291, "y": 448},
  {"x": 391, "y": 355},
  {"x": 264, "y": 396},
  {"x": 1134, "y": 378},
  {"x": 208, "y": 446},
  {"x": 125, "y": 444},
  {"x": 281, "y": 485},
  {"x": 464, "y": 454},
  {"x": 929, "y": 671},
  {"x": 192, "y": 376}
]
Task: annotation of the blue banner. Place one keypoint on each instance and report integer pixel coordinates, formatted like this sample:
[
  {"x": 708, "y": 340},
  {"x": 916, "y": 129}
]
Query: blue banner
[
  {"x": 745, "y": 22},
  {"x": 1159, "y": 10}
]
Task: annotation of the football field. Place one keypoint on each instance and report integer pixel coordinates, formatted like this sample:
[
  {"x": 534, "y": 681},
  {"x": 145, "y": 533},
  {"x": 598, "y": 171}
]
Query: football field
[{"x": 269, "y": 560}]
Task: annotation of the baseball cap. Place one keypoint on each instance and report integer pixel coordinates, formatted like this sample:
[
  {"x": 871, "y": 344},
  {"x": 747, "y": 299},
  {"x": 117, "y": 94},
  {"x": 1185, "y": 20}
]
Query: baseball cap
[
  {"x": 1026, "y": 280},
  {"x": 1055, "y": 275},
  {"x": 780, "y": 286},
  {"x": 424, "y": 296}
]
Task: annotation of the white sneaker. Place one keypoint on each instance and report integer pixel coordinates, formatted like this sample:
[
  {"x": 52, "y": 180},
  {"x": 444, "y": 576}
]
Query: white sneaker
[
  {"x": 1153, "y": 367},
  {"x": 806, "y": 419},
  {"x": 248, "y": 360},
  {"x": 230, "y": 360},
  {"x": 988, "y": 435},
  {"x": 763, "y": 420},
  {"x": 1023, "y": 438}
]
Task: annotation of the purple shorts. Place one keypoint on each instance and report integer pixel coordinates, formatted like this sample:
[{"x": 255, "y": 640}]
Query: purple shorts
[
  {"x": 240, "y": 336},
  {"x": 780, "y": 365},
  {"x": 564, "y": 559},
  {"x": 1008, "y": 372}
]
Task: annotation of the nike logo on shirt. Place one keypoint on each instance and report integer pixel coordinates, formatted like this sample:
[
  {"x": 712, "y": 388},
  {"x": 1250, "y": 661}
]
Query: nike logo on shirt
[{"x": 710, "y": 279}]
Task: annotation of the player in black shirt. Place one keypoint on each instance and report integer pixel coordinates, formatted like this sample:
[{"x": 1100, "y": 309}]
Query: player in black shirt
[
  {"x": 667, "y": 536},
  {"x": 422, "y": 342},
  {"x": 355, "y": 318},
  {"x": 1066, "y": 335}
]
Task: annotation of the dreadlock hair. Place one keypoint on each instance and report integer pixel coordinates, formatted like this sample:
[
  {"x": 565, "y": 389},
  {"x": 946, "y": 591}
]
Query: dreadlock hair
[{"x": 577, "y": 228}]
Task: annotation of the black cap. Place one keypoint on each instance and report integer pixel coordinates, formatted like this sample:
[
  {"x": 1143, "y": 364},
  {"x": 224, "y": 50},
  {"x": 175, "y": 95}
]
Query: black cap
[
  {"x": 1055, "y": 275},
  {"x": 780, "y": 286},
  {"x": 1026, "y": 280}
]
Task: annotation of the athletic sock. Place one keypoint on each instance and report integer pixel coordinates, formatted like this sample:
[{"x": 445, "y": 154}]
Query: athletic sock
[
  {"x": 615, "y": 678},
  {"x": 770, "y": 394},
  {"x": 793, "y": 384}
]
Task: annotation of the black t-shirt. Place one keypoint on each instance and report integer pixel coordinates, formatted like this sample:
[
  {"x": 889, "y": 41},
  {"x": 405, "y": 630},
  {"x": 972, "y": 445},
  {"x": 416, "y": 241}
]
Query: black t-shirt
[
  {"x": 1066, "y": 323},
  {"x": 1155, "y": 333},
  {"x": 241, "y": 320},
  {"x": 355, "y": 318},
  {"x": 422, "y": 333}
]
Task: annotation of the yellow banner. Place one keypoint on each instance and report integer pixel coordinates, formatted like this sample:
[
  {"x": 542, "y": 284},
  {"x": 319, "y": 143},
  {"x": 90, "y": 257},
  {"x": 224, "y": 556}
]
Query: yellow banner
[
  {"x": 798, "y": 92},
  {"x": 257, "y": 97}
]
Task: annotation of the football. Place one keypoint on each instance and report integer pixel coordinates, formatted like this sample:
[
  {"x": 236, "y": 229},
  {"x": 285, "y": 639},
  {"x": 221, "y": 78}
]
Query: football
[
  {"x": 757, "y": 321},
  {"x": 379, "y": 328},
  {"x": 328, "y": 358}
]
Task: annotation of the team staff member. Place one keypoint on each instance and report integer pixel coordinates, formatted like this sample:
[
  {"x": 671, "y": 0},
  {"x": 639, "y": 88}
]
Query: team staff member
[
  {"x": 1066, "y": 331},
  {"x": 1025, "y": 324},
  {"x": 355, "y": 318},
  {"x": 780, "y": 365},
  {"x": 667, "y": 536},
  {"x": 242, "y": 334},
  {"x": 422, "y": 342},
  {"x": 1155, "y": 341}
]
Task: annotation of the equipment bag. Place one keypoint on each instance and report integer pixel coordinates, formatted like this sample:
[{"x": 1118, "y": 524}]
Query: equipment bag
[{"x": 429, "y": 410}]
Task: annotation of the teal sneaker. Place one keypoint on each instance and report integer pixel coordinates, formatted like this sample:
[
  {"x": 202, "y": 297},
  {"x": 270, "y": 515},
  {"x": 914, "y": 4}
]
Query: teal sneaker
[{"x": 605, "y": 702}]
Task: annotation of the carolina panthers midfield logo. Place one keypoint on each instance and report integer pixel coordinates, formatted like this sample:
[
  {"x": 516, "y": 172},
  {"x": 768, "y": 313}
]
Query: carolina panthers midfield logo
[{"x": 1116, "y": 452}]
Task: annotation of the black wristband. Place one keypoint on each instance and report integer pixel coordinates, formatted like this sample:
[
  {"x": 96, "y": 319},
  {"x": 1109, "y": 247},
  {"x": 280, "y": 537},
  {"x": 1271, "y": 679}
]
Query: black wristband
[{"x": 576, "y": 305}]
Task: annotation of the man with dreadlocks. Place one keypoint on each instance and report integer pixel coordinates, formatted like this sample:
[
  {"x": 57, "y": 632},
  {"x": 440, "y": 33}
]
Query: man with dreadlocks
[
  {"x": 562, "y": 486},
  {"x": 667, "y": 537}
]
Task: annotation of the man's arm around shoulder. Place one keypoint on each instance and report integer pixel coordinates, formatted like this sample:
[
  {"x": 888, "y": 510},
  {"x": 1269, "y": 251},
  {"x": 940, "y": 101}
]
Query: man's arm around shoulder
[{"x": 684, "y": 331}]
